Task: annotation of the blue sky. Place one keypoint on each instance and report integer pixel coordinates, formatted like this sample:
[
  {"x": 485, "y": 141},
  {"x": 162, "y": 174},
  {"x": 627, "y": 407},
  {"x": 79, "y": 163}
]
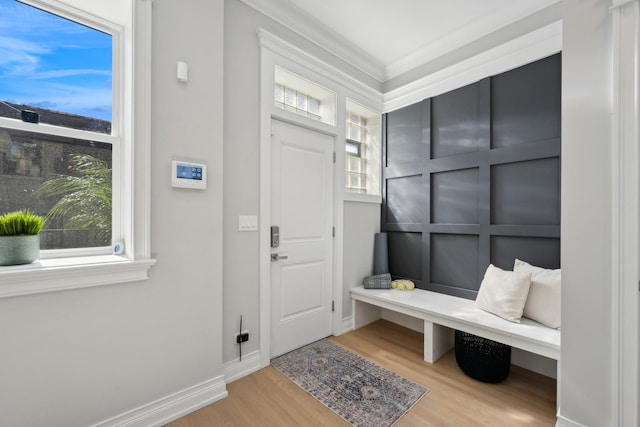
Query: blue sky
[{"x": 53, "y": 63}]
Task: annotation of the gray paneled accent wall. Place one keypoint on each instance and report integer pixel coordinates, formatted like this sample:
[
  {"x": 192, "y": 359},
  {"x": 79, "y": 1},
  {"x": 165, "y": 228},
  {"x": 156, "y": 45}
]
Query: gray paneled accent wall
[{"x": 472, "y": 177}]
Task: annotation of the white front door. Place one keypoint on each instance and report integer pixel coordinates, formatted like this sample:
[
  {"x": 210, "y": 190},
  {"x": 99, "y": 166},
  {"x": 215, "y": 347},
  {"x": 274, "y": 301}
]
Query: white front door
[{"x": 302, "y": 208}]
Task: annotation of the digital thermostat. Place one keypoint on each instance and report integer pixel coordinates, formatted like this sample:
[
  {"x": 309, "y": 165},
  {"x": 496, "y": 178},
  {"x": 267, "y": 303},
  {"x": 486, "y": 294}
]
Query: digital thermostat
[{"x": 188, "y": 175}]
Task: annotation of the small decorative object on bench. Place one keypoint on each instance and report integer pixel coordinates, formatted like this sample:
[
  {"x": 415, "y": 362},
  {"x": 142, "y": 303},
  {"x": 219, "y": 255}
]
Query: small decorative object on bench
[
  {"x": 379, "y": 281},
  {"x": 403, "y": 284},
  {"x": 380, "y": 254},
  {"x": 481, "y": 358}
]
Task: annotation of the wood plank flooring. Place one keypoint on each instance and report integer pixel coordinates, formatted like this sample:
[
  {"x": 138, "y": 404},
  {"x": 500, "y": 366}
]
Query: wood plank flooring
[{"x": 267, "y": 398}]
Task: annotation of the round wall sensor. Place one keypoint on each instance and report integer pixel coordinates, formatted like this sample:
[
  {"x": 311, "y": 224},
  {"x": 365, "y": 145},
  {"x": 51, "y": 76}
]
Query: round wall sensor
[{"x": 118, "y": 248}]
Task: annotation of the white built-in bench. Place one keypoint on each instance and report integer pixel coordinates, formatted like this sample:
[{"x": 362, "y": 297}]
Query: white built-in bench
[{"x": 442, "y": 313}]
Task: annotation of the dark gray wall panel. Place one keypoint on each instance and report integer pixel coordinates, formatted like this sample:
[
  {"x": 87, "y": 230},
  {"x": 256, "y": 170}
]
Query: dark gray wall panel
[
  {"x": 405, "y": 255},
  {"x": 454, "y": 122},
  {"x": 454, "y": 197},
  {"x": 405, "y": 202},
  {"x": 526, "y": 193},
  {"x": 525, "y": 103},
  {"x": 454, "y": 260},
  {"x": 453, "y": 204},
  {"x": 539, "y": 251},
  {"x": 406, "y": 128}
]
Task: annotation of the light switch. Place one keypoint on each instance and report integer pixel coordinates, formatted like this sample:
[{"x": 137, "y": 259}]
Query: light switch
[
  {"x": 247, "y": 223},
  {"x": 183, "y": 72}
]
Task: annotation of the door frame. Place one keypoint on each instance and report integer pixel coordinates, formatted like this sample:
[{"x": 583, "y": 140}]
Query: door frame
[
  {"x": 269, "y": 112},
  {"x": 625, "y": 187}
]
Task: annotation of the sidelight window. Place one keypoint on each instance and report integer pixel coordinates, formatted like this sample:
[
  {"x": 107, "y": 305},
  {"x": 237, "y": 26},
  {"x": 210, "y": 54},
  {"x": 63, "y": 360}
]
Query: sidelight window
[{"x": 362, "y": 150}]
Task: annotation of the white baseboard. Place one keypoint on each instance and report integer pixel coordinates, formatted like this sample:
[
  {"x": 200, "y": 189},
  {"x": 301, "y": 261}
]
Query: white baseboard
[
  {"x": 236, "y": 369},
  {"x": 347, "y": 324},
  {"x": 565, "y": 422},
  {"x": 171, "y": 407}
]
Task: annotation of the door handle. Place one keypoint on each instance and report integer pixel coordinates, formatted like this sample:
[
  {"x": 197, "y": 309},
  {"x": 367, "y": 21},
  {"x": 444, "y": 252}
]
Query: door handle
[{"x": 276, "y": 257}]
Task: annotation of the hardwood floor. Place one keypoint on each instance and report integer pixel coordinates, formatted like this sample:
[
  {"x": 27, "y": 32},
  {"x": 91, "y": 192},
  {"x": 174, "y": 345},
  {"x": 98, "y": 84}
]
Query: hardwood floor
[{"x": 267, "y": 398}]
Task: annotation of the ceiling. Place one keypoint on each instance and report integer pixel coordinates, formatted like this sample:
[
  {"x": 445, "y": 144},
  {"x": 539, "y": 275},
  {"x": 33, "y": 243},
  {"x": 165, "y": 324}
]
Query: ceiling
[{"x": 386, "y": 38}]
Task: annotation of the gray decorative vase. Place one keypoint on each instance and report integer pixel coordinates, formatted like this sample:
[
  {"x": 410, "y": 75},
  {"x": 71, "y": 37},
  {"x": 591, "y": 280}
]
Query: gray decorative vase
[{"x": 15, "y": 250}]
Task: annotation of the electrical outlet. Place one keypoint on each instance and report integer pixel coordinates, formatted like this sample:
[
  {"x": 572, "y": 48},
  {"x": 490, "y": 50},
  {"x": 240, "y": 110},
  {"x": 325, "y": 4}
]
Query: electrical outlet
[{"x": 241, "y": 338}]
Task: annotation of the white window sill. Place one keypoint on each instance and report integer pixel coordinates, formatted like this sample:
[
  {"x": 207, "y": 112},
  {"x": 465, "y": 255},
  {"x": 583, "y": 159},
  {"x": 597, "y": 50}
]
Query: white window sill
[
  {"x": 59, "y": 274},
  {"x": 362, "y": 198}
]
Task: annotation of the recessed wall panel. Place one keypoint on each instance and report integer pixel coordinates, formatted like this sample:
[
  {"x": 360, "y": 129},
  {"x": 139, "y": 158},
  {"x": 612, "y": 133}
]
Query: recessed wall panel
[
  {"x": 455, "y": 122},
  {"x": 405, "y": 200},
  {"x": 405, "y": 255},
  {"x": 405, "y": 139},
  {"x": 540, "y": 251},
  {"x": 454, "y": 197},
  {"x": 526, "y": 193},
  {"x": 472, "y": 176},
  {"x": 454, "y": 260},
  {"x": 525, "y": 103}
]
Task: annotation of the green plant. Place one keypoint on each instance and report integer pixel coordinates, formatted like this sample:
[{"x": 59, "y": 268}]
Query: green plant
[
  {"x": 20, "y": 223},
  {"x": 85, "y": 196}
]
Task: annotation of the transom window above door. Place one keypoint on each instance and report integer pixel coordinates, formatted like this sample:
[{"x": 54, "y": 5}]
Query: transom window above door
[{"x": 303, "y": 97}]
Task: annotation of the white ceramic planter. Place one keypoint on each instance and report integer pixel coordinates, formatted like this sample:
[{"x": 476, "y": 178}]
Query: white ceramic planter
[{"x": 16, "y": 250}]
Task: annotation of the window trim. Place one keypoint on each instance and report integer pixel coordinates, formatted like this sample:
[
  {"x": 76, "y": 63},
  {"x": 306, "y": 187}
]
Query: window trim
[
  {"x": 61, "y": 274},
  {"x": 134, "y": 119}
]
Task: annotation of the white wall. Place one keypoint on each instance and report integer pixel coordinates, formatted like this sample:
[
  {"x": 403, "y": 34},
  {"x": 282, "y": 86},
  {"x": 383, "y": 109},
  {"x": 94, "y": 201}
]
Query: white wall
[
  {"x": 241, "y": 175},
  {"x": 78, "y": 357},
  {"x": 361, "y": 222},
  {"x": 586, "y": 365}
]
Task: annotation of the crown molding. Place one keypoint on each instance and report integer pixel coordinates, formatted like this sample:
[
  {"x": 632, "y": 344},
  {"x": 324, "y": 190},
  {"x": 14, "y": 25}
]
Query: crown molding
[
  {"x": 312, "y": 30},
  {"x": 455, "y": 40},
  {"x": 528, "y": 48}
]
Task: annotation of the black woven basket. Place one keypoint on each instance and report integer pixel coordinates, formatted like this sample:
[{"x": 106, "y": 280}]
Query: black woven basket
[{"x": 483, "y": 359}]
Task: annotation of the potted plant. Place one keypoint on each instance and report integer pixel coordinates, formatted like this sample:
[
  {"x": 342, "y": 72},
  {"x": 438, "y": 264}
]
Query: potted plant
[{"x": 19, "y": 237}]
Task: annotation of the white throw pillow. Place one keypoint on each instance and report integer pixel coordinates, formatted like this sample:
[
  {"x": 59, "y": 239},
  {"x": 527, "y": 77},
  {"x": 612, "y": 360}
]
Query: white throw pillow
[
  {"x": 503, "y": 293},
  {"x": 543, "y": 302}
]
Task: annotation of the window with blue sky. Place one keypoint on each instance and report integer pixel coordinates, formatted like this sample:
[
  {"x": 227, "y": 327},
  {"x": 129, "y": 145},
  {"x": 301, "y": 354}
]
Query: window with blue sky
[
  {"x": 60, "y": 72},
  {"x": 51, "y": 63}
]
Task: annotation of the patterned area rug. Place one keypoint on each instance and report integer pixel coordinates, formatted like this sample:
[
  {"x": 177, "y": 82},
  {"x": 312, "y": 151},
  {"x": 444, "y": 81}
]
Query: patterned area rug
[{"x": 361, "y": 392}]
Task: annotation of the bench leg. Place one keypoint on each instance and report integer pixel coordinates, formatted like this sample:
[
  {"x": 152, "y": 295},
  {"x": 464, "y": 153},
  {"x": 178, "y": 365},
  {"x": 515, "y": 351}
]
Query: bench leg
[
  {"x": 364, "y": 313},
  {"x": 438, "y": 340}
]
